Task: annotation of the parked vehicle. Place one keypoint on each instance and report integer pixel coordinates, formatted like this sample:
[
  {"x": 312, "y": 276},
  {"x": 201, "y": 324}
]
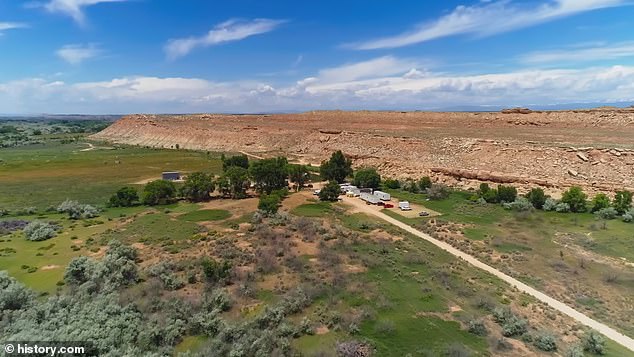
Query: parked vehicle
[
  {"x": 404, "y": 206},
  {"x": 316, "y": 192},
  {"x": 423, "y": 214},
  {"x": 389, "y": 205}
]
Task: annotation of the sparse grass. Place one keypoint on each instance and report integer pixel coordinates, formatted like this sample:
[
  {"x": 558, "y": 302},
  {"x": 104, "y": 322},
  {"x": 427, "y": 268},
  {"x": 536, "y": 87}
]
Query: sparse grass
[{"x": 155, "y": 228}]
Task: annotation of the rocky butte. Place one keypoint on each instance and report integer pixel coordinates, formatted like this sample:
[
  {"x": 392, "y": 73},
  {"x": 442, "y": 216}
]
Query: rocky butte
[{"x": 555, "y": 149}]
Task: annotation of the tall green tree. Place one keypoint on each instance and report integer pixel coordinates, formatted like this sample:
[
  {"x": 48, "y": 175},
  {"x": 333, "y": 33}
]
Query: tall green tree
[
  {"x": 234, "y": 183},
  {"x": 124, "y": 197},
  {"x": 269, "y": 174},
  {"x": 338, "y": 168},
  {"x": 159, "y": 192},
  {"x": 198, "y": 187},
  {"x": 367, "y": 178},
  {"x": 623, "y": 201},
  {"x": 576, "y": 199},
  {"x": 299, "y": 175},
  {"x": 238, "y": 160},
  {"x": 330, "y": 192}
]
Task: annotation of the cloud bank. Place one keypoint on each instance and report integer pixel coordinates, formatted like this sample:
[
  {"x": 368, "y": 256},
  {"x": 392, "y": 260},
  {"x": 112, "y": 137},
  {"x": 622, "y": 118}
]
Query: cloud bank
[{"x": 395, "y": 87}]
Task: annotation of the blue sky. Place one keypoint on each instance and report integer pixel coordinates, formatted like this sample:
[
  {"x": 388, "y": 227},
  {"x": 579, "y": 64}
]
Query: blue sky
[{"x": 168, "y": 56}]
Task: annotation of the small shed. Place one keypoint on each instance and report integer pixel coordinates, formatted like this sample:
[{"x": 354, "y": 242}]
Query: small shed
[{"x": 171, "y": 175}]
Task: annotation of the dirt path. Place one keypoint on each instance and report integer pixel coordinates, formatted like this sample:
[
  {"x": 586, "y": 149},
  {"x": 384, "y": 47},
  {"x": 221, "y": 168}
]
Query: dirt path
[{"x": 609, "y": 332}]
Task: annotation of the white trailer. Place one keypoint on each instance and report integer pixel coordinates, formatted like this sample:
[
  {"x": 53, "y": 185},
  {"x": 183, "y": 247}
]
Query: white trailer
[
  {"x": 383, "y": 196},
  {"x": 404, "y": 206},
  {"x": 369, "y": 198}
]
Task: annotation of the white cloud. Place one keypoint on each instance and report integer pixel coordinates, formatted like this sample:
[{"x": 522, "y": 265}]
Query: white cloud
[
  {"x": 229, "y": 31},
  {"x": 76, "y": 54},
  {"x": 488, "y": 18},
  {"x": 10, "y": 26},
  {"x": 382, "y": 66},
  {"x": 74, "y": 8},
  {"x": 404, "y": 89},
  {"x": 584, "y": 53}
]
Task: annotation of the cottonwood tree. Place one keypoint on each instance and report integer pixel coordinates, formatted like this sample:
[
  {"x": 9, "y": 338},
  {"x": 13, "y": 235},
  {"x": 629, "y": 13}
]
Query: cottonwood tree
[
  {"x": 338, "y": 168},
  {"x": 159, "y": 192},
  {"x": 269, "y": 174},
  {"x": 368, "y": 178},
  {"x": 299, "y": 175},
  {"x": 234, "y": 183},
  {"x": 198, "y": 187}
]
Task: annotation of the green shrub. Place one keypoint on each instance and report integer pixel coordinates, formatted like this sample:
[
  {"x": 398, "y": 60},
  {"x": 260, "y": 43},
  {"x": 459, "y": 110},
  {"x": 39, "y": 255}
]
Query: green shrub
[
  {"x": 216, "y": 272},
  {"x": 576, "y": 199},
  {"x": 521, "y": 204},
  {"x": 606, "y": 213},
  {"x": 269, "y": 204},
  {"x": 424, "y": 183},
  {"x": 599, "y": 202},
  {"x": 545, "y": 341},
  {"x": 438, "y": 192},
  {"x": 550, "y": 204},
  {"x": 574, "y": 351},
  {"x": 593, "y": 342},
  {"x": 391, "y": 184},
  {"x": 537, "y": 197},
  {"x": 38, "y": 231},
  {"x": 478, "y": 328},
  {"x": 623, "y": 201},
  {"x": 562, "y": 207},
  {"x": 75, "y": 210},
  {"x": 507, "y": 193}
]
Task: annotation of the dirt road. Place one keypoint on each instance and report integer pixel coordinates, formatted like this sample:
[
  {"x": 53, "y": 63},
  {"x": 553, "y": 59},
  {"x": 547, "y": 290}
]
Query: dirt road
[{"x": 609, "y": 332}]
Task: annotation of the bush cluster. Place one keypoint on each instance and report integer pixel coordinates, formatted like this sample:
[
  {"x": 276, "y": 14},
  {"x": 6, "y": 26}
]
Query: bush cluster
[
  {"x": 75, "y": 210},
  {"x": 39, "y": 230}
]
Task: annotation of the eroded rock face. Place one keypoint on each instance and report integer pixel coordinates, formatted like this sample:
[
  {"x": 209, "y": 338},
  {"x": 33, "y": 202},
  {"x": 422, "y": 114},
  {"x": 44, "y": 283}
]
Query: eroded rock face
[{"x": 536, "y": 148}]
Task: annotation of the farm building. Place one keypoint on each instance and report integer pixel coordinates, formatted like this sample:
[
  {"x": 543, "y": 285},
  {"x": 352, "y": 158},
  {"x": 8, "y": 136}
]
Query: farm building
[{"x": 171, "y": 175}]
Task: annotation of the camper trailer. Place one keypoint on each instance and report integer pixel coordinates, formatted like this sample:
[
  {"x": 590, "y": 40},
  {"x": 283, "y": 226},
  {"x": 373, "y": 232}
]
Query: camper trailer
[
  {"x": 383, "y": 196},
  {"x": 369, "y": 198}
]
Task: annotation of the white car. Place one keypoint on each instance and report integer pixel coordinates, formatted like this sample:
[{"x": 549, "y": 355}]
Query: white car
[{"x": 316, "y": 192}]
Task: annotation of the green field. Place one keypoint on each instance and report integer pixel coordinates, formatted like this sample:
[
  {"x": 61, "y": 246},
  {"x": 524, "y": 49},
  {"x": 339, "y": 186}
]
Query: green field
[
  {"x": 46, "y": 174},
  {"x": 205, "y": 215}
]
